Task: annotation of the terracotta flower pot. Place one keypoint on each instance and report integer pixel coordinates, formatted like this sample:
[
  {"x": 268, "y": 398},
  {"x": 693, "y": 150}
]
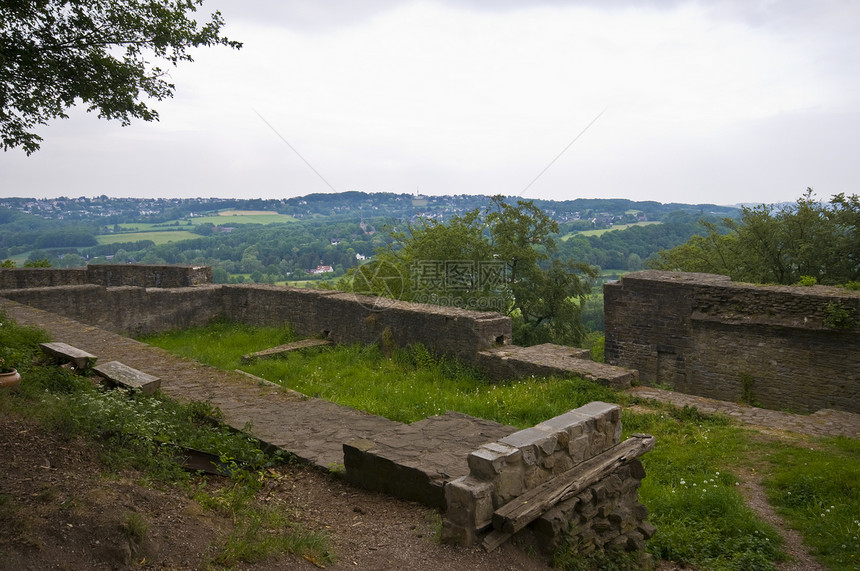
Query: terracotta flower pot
[{"x": 10, "y": 380}]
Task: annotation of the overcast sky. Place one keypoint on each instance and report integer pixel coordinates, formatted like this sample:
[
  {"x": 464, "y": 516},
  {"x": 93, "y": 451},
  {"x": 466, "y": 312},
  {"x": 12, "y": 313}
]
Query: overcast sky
[{"x": 721, "y": 101}]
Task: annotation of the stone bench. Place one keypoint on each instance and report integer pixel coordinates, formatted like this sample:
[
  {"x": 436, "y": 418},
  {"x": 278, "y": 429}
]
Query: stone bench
[
  {"x": 283, "y": 349},
  {"x": 68, "y": 354},
  {"x": 118, "y": 374}
]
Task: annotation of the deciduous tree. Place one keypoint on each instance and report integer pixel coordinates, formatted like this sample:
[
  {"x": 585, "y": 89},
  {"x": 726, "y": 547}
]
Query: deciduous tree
[
  {"x": 55, "y": 53},
  {"x": 778, "y": 245},
  {"x": 497, "y": 259}
]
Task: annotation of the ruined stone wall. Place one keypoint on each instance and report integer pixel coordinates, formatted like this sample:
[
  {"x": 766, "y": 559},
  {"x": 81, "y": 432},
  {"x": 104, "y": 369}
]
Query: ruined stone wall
[
  {"x": 350, "y": 318},
  {"x": 143, "y": 275},
  {"x": 605, "y": 513},
  {"x": 341, "y": 317},
  {"x": 126, "y": 310},
  {"x": 777, "y": 346},
  {"x": 20, "y": 278},
  {"x": 108, "y": 275}
]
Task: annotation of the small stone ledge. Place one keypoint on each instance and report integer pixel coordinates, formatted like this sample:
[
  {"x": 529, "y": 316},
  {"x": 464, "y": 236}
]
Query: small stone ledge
[
  {"x": 512, "y": 361},
  {"x": 62, "y": 352},
  {"x": 123, "y": 375},
  {"x": 284, "y": 349}
]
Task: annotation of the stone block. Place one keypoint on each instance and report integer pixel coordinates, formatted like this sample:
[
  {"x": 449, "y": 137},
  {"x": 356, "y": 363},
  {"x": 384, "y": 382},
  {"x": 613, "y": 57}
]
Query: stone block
[
  {"x": 580, "y": 448},
  {"x": 637, "y": 470},
  {"x": 122, "y": 375},
  {"x": 564, "y": 422},
  {"x": 489, "y": 460},
  {"x": 639, "y": 511},
  {"x": 509, "y": 485},
  {"x": 66, "y": 353},
  {"x": 598, "y": 443},
  {"x": 469, "y": 503},
  {"x": 542, "y": 441},
  {"x": 646, "y": 529}
]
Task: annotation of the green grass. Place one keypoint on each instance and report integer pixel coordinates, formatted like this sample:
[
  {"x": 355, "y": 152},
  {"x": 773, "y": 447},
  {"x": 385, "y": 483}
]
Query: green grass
[
  {"x": 221, "y": 344},
  {"x": 142, "y": 432},
  {"x": 692, "y": 484},
  {"x": 816, "y": 489},
  {"x": 159, "y": 237},
  {"x": 605, "y": 230},
  {"x": 691, "y": 491},
  {"x": 244, "y": 217},
  {"x": 408, "y": 387}
]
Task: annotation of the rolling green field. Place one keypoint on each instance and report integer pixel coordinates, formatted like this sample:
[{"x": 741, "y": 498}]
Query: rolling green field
[
  {"x": 605, "y": 230},
  {"x": 244, "y": 217},
  {"x": 221, "y": 219},
  {"x": 159, "y": 237}
]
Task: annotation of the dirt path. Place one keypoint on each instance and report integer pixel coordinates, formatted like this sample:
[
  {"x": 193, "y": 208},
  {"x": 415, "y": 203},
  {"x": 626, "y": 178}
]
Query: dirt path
[{"x": 59, "y": 512}]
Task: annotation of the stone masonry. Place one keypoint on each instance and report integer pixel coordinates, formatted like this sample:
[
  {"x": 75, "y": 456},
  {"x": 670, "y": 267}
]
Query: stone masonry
[
  {"x": 781, "y": 347},
  {"x": 140, "y": 275},
  {"x": 140, "y": 299},
  {"x": 605, "y": 513}
]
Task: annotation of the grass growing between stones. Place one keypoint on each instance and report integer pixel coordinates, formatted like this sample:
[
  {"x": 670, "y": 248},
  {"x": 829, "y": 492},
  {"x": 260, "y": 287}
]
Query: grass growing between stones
[
  {"x": 692, "y": 489},
  {"x": 133, "y": 431}
]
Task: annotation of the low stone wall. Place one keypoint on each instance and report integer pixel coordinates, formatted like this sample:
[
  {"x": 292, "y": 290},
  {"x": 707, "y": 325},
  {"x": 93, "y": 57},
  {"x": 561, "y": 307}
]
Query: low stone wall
[
  {"x": 21, "y": 278},
  {"x": 143, "y": 275},
  {"x": 108, "y": 275},
  {"x": 340, "y": 317},
  {"x": 351, "y": 318},
  {"x": 606, "y": 512},
  {"x": 607, "y": 515},
  {"x": 126, "y": 310},
  {"x": 780, "y": 347}
]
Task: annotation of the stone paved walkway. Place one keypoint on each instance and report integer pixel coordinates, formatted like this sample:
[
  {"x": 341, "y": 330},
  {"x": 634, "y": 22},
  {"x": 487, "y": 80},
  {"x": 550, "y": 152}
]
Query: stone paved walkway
[
  {"x": 821, "y": 423},
  {"x": 312, "y": 429}
]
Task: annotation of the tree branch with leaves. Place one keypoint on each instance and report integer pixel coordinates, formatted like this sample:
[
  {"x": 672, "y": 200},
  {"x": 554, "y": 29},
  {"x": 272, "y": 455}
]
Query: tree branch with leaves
[{"x": 57, "y": 53}]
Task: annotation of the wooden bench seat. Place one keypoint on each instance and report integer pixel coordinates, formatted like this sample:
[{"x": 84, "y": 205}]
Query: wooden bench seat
[{"x": 123, "y": 375}]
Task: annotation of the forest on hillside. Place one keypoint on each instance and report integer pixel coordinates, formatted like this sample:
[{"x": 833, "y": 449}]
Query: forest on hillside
[{"x": 338, "y": 230}]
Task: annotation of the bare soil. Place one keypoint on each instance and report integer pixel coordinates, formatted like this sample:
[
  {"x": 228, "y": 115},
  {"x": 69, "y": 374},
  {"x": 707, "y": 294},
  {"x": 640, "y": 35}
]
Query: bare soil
[{"x": 60, "y": 510}]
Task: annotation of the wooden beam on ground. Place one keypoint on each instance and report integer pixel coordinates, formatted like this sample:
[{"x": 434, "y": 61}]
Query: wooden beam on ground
[
  {"x": 124, "y": 376},
  {"x": 518, "y": 513},
  {"x": 68, "y": 354},
  {"x": 283, "y": 349}
]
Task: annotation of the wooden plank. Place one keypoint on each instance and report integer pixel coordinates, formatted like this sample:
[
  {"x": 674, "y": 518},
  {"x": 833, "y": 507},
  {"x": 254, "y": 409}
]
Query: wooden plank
[
  {"x": 68, "y": 354},
  {"x": 529, "y": 506},
  {"x": 282, "y": 349},
  {"x": 125, "y": 376},
  {"x": 494, "y": 539}
]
